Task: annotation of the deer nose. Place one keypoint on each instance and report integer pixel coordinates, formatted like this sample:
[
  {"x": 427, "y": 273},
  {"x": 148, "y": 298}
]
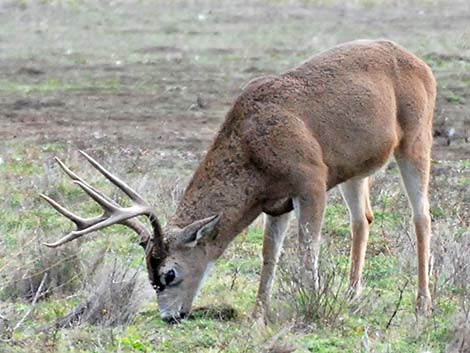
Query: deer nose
[{"x": 175, "y": 319}]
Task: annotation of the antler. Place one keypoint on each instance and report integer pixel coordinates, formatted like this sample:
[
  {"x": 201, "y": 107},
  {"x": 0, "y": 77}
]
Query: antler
[{"x": 113, "y": 212}]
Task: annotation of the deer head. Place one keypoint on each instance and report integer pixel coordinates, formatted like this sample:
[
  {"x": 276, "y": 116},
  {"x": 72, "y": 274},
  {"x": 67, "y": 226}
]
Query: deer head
[
  {"x": 177, "y": 259},
  {"x": 288, "y": 139}
]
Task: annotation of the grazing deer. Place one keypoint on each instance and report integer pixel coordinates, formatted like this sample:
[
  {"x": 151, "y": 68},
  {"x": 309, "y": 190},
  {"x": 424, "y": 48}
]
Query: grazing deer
[{"x": 286, "y": 141}]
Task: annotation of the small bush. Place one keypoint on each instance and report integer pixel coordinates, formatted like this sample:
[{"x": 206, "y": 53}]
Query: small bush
[
  {"x": 325, "y": 306},
  {"x": 23, "y": 273},
  {"x": 460, "y": 334},
  {"x": 115, "y": 297}
]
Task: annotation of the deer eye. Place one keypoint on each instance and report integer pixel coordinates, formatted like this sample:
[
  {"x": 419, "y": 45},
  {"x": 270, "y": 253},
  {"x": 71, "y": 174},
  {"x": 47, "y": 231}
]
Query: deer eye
[{"x": 169, "y": 277}]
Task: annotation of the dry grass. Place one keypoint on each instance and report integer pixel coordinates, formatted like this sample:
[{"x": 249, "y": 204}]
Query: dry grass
[
  {"x": 114, "y": 297},
  {"x": 323, "y": 307},
  {"x": 22, "y": 274},
  {"x": 460, "y": 334}
]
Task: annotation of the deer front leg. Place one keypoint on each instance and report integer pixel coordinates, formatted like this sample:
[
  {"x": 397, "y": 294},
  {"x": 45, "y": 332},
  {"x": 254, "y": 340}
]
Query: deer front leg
[
  {"x": 274, "y": 234},
  {"x": 309, "y": 209}
]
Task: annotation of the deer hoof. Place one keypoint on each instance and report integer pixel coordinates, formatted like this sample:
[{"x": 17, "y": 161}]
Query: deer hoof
[
  {"x": 354, "y": 290},
  {"x": 424, "y": 305},
  {"x": 259, "y": 315}
]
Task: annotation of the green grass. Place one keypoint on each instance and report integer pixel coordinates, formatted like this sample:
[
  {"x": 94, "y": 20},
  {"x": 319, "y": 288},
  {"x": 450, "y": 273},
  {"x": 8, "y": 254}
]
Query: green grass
[
  {"x": 219, "y": 49},
  {"x": 233, "y": 283},
  {"x": 362, "y": 326},
  {"x": 55, "y": 85},
  {"x": 452, "y": 97}
]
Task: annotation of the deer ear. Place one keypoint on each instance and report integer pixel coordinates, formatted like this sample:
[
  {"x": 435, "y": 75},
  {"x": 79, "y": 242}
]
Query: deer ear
[{"x": 199, "y": 229}]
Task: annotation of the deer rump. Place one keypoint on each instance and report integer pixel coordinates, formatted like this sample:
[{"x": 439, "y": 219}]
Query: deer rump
[{"x": 285, "y": 142}]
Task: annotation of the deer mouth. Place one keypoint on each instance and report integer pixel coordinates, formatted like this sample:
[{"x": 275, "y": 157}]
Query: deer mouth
[{"x": 175, "y": 318}]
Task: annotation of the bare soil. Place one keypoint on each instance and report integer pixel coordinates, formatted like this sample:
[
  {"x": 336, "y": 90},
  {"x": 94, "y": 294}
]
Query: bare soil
[{"x": 159, "y": 76}]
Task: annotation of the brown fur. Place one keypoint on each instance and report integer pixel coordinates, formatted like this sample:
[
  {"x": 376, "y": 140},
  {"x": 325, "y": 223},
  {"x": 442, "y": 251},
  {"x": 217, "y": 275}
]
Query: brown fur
[
  {"x": 287, "y": 139},
  {"x": 338, "y": 116}
]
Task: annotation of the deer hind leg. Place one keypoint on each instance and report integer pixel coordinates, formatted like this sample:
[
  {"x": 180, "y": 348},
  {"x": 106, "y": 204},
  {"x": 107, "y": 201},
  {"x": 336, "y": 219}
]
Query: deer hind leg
[
  {"x": 356, "y": 195},
  {"x": 273, "y": 238},
  {"x": 414, "y": 169}
]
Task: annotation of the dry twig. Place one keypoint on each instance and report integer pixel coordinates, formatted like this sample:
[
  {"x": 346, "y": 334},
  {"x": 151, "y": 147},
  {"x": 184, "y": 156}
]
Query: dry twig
[
  {"x": 33, "y": 303},
  {"x": 402, "y": 289}
]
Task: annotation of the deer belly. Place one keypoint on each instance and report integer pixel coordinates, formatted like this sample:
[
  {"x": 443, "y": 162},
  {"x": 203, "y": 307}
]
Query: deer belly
[{"x": 361, "y": 160}]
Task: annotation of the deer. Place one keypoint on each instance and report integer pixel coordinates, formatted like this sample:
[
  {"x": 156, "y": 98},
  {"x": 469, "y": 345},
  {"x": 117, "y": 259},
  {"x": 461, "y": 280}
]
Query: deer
[{"x": 286, "y": 141}]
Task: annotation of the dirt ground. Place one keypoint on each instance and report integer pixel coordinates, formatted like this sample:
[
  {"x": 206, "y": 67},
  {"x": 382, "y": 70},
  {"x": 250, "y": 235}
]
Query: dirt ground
[{"x": 157, "y": 77}]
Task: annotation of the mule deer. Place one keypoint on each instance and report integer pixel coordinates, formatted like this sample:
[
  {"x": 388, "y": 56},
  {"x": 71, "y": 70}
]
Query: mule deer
[{"x": 286, "y": 141}]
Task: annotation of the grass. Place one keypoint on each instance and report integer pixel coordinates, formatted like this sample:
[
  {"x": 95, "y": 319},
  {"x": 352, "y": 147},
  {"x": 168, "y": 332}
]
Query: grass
[
  {"x": 53, "y": 85},
  {"x": 359, "y": 326},
  {"x": 214, "y": 45}
]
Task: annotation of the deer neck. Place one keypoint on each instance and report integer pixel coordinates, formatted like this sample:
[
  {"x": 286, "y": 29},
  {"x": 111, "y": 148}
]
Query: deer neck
[{"x": 225, "y": 183}]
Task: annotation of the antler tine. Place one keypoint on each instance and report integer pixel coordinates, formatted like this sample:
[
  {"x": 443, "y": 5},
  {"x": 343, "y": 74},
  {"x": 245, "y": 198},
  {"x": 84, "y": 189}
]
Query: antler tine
[
  {"x": 118, "y": 218},
  {"x": 69, "y": 237},
  {"x": 74, "y": 176},
  {"x": 113, "y": 212},
  {"x": 115, "y": 180},
  {"x": 98, "y": 197},
  {"x": 134, "y": 224},
  {"x": 84, "y": 224},
  {"x": 67, "y": 170},
  {"x": 93, "y": 224},
  {"x": 79, "y": 221}
]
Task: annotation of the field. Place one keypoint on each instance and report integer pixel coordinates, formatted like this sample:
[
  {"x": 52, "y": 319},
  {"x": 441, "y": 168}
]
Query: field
[{"x": 143, "y": 86}]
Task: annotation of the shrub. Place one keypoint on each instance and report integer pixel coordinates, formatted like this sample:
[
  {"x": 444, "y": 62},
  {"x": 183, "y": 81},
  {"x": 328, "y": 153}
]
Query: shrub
[
  {"x": 23, "y": 273},
  {"x": 114, "y": 297},
  {"x": 325, "y": 306}
]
